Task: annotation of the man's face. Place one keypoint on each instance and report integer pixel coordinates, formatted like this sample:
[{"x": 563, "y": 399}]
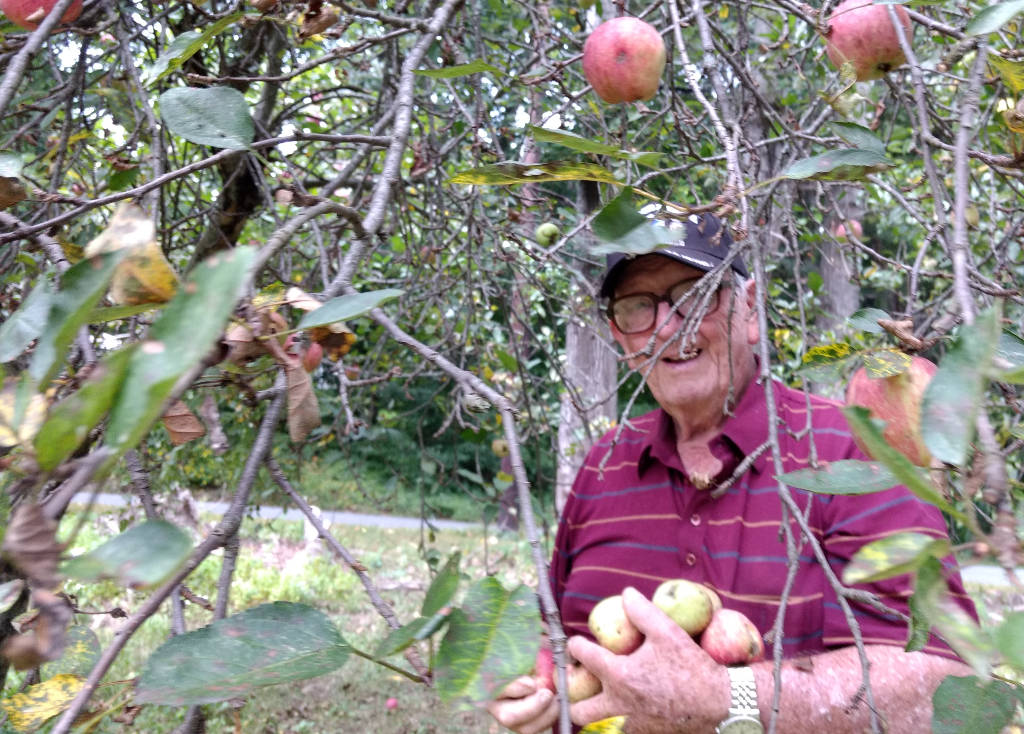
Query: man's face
[{"x": 696, "y": 382}]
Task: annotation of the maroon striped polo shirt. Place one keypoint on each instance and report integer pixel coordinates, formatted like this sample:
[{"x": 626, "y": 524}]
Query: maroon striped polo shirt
[{"x": 639, "y": 521}]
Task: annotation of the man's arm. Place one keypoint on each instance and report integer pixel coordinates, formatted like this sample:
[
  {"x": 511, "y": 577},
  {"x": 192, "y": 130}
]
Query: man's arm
[{"x": 670, "y": 685}]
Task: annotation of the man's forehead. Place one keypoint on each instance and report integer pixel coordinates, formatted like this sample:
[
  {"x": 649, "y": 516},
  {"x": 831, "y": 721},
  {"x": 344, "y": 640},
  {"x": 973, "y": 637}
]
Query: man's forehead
[{"x": 656, "y": 266}]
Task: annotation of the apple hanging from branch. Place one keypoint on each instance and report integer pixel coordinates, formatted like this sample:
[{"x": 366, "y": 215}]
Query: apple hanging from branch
[
  {"x": 623, "y": 60},
  {"x": 897, "y": 401},
  {"x": 863, "y": 34},
  {"x": 28, "y": 14}
]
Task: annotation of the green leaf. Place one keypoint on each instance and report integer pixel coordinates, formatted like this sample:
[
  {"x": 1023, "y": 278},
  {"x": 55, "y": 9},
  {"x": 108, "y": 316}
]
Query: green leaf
[
  {"x": 489, "y": 642},
  {"x": 917, "y": 637},
  {"x": 949, "y": 620},
  {"x": 113, "y": 313},
  {"x": 399, "y": 639},
  {"x": 1009, "y": 638},
  {"x": 141, "y": 557},
  {"x": 879, "y": 363},
  {"x": 858, "y": 136},
  {"x": 1012, "y": 72},
  {"x": 81, "y": 651},
  {"x": 578, "y": 142},
  {"x": 893, "y": 555},
  {"x": 214, "y": 116},
  {"x": 866, "y": 319},
  {"x": 909, "y": 475},
  {"x": 181, "y": 337},
  {"x": 510, "y": 173},
  {"x": 443, "y": 587},
  {"x": 269, "y": 644},
  {"x": 71, "y": 419},
  {"x": 624, "y": 229},
  {"x": 452, "y": 72},
  {"x": 81, "y": 287},
  {"x": 1011, "y": 348},
  {"x": 827, "y": 362},
  {"x": 848, "y": 164},
  {"x": 972, "y": 704},
  {"x": 27, "y": 323},
  {"x": 994, "y": 17},
  {"x": 847, "y": 476},
  {"x": 184, "y": 47},
  {"x": 954, "y": 395},
  {"x": 347, "y": 307}
]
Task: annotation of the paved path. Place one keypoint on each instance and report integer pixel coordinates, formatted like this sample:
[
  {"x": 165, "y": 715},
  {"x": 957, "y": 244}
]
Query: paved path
[{"x": 290, "y": 513}]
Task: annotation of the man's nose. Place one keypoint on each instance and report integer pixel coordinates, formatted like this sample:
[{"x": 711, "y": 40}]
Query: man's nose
[{"x": 666, "y": 323}]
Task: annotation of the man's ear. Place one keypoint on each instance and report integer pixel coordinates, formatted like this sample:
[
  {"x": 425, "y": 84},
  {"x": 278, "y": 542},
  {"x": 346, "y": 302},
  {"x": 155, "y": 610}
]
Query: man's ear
[{"x": 750, "y": 300}]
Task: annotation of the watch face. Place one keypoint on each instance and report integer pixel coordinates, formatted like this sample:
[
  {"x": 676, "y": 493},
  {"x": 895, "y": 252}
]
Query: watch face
[{"x": 741, "y": 725}]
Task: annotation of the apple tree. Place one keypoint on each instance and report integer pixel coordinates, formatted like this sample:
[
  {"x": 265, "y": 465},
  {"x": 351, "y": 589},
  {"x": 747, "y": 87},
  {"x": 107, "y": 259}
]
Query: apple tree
[{"x": 199, "y": 202}]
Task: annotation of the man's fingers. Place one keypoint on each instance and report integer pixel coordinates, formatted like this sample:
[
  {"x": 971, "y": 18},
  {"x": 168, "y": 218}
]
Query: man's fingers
[
  {"x": 522, "y": 686},
  {"x": 527, "y": 715},
  {"x": 591, "y": 655},
  {"x": 647, "y": 618}
]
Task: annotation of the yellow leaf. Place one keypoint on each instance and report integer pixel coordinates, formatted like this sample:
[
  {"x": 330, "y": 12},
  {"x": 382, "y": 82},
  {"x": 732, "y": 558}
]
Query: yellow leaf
[
  {"x": 611, "y": 725},
  {"x": 1012, "y": 72},
  {"x": 30, "y": 710},
  {"x": 723, "y": 12},
  {"x": 144, "y": 276},
  {"x": 19, "y": 423}
]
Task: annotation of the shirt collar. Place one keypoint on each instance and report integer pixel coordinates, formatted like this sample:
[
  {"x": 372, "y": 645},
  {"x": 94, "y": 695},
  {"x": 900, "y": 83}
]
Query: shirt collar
[{"x": 746, "y": 428}]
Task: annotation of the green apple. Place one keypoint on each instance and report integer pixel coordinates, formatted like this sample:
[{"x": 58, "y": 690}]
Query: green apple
[
  {"x": 611, "y": 627},
  {"x": 687, "y": 603}
]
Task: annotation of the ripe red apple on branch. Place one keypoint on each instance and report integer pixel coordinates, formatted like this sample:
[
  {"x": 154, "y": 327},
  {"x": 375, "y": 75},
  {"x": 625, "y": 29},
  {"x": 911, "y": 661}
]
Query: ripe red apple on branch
[
  {"x": 897, "y": 401},
  {"x": 623, "y": 59},
  {"x": 843, "y": 230},
  {"x": 863, "y": 34},
  {"x": 29, "y": 14}
]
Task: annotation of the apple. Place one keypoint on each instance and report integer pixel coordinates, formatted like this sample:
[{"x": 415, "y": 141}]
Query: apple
[
  {"x": 582, "y": 683},
  {"x": 897, "y": 401},
  {"x": 544, "y": 669},
  {"x": 311, "y": 359},
  {"x": 391, "y": 704},
  {"x": 863, "y": 34},
  {"x": 732, "y": 639},
  {"x": 546, "y": 233},
  {"x": 841, "y": 231},
  {"x": 30, "y": 13},
  {"x": 687, "y": 603},
  {"x": 500, "y": 448},
  {"x": 623, "y": 59},
  {"x": 611, "y": 627}
]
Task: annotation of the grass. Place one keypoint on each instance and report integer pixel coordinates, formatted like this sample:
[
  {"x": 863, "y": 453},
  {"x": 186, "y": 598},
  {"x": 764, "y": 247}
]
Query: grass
[{"x": 278, "y": 563}]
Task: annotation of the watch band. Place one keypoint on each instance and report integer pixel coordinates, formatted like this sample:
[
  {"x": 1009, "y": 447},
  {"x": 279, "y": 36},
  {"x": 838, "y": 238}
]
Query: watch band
[{"x": 743, "y": 709}]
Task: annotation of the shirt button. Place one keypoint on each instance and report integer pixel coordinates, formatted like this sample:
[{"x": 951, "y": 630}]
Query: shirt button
[
  {"x": 695, "y": 519},
  {"x": 690, "y": 559}
]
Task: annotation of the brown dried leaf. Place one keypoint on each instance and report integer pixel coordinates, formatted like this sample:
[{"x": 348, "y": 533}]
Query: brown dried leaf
[
  {"x": 182, "y": 424},
  {"x": 316, "y": 23},
  {"x": 11, "y": 192},
  {"x": 303, "y": 410},
  {"x": 31, "y": 544},
  {"x": 300, "y": 299},
  {"x": 44, "y": 637},
  {"x": 336, "y": 339},
  {"x": 242, "y": 344}
]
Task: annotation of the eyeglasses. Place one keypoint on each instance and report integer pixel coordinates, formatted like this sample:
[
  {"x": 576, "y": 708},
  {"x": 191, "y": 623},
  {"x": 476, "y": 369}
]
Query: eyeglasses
[{"x": 637, "y": 312}]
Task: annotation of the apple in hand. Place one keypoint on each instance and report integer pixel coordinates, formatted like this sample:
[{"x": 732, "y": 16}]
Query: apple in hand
[
  {"x": 897, "y": 401},
  {"x": 611, "y": 627},
  {"x": 732, "y": 639},
  {"x": 687, "y": 603},
  {"x": 582, "y": 683},
  {"x": 544, "y": 669},
  {"x": 623, "y": 60},
  {"x": 863, "y": 34},
  {"x": 30, "y": 13}
]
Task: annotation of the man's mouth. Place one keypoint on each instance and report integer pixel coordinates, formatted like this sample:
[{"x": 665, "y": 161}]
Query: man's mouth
[{"x": 677, "y": 358}]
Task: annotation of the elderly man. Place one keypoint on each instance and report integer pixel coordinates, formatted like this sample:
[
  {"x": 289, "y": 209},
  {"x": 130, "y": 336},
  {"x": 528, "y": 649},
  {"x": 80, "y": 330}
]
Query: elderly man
[{"x": 663, "y": 499}]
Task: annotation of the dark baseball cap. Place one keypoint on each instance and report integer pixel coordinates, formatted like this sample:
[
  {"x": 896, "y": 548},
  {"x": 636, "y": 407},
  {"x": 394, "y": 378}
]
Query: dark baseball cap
[{"x": 701, "y": 247}]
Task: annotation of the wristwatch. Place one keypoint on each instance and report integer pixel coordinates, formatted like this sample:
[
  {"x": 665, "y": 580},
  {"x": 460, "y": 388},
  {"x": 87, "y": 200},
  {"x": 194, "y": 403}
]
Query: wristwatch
[{"x": 744, "y": 715}]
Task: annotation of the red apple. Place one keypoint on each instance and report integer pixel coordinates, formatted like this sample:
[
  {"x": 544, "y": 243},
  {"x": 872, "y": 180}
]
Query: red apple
[
  {"x": 582, "y": 683},
  {"x": 732, "y": 639},
  {"x": 544, "y": 669},
  {"x": 611, "y": 627},
  {"x": 864, "y": 35},
  {"x": 30, "y": 13},
  {"x": 623, "y": 59},
  {"x": 687, "y": 603},
  {"x": 897, "y": 401},
  {"x": 841, "y": 231},
  {"x": 311, "y": 359}
]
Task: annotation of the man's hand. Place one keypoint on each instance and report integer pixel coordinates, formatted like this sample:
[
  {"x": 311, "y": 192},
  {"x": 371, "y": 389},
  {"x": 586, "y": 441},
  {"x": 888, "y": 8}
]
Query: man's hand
[
  {"x": 668, "y": 684},
  {"x": 525, "y": 706}
]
